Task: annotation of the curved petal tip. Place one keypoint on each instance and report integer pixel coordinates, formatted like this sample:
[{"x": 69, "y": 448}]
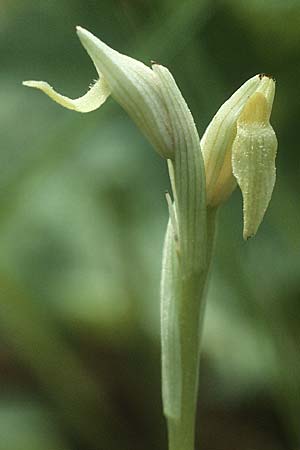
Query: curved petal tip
[{"x": 92, "y": 100}]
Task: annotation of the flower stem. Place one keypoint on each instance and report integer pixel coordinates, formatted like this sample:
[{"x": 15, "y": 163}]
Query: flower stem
[{"x": 191, "y": 302}]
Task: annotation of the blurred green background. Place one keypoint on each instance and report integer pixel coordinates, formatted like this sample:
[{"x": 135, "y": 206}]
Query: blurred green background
[{"x": 82, "y": 220}]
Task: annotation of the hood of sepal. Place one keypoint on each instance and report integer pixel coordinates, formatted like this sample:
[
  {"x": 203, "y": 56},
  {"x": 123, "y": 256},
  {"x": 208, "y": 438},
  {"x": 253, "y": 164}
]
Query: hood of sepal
[
  {"x": 130, "y": 82},
  {"x": 216, "y": 144},
  {"x": 135, "y": 87}
]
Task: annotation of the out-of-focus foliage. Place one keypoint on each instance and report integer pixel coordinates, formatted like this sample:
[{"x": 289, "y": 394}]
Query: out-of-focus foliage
[{"x": 82, "y": 218}]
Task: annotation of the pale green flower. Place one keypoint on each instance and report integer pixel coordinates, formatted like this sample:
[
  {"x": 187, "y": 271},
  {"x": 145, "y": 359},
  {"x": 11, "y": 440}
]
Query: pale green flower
[{"x": 233, "y": 151}]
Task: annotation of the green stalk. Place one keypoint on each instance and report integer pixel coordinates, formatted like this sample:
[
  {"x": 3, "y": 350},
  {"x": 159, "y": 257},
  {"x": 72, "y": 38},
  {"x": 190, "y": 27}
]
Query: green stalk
[
  {"x": 186, "y": 263},
  {"x": 191, "y": 303}
]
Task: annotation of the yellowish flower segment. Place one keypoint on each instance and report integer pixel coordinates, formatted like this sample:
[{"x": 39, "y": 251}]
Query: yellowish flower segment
[{"x": 253, "y": 160}]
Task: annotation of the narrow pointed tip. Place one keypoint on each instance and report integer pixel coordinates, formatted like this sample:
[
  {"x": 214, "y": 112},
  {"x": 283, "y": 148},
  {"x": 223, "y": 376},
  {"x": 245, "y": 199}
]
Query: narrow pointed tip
[
  {"x": 90, "y": 42},
  {"x": 80, "y": 30},
  {"x": 96, "y": 49},
  {"x": 84, "y": 34},
  {"x": 42, "y": 85},
  {"x": 27, "y": 83}
]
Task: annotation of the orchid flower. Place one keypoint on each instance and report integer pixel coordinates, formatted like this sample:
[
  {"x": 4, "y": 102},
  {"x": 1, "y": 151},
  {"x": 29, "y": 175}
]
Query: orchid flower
[
  {"x": 238, "y": 148},
  {"x": 143, "y": 93}
]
